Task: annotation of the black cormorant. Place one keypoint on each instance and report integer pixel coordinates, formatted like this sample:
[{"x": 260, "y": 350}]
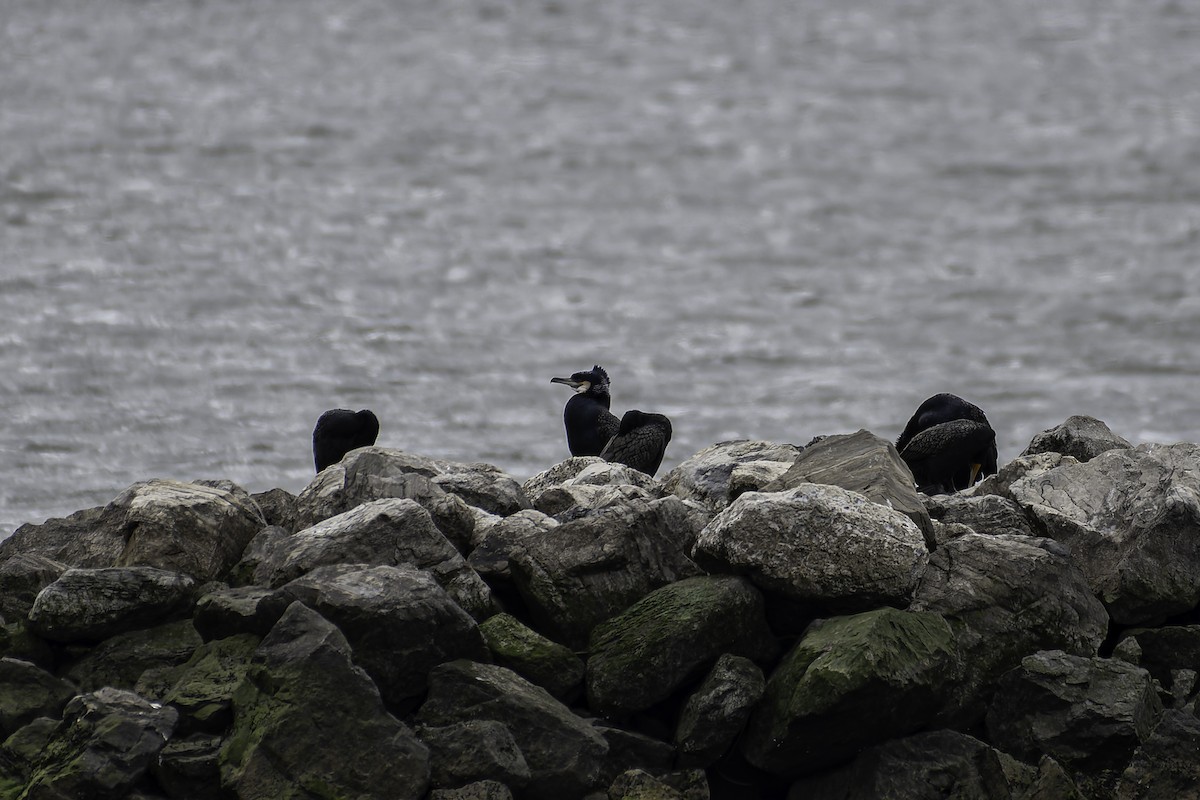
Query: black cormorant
[
  {"x": 339, "y": 431},
  {"x": 588, "y": 421},
  {"x": 948, "y": 444},
  {"x": 640, "y": 441}
]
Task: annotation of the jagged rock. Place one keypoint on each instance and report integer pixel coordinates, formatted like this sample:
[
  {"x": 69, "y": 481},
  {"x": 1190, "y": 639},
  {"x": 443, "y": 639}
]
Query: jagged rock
[
  {"x": 1017, "y": 469},
  {"x": 1132, "y": 521},
  {"x": 1163, "y": 652},
  {"x": 398, "y": 620},
  {"x": 539, "y": 660},
  {"x": 925, "y": 766},
  {"x": 28, "y": 692},
  {"x": 204, "y": 686},
  {"x": 375, "y": 473},
  {"x": 474, "y": 750},
  {"x": 278, "y": 507},
  {"x": 563, "y": 752},
  {"x": 257, "y": 555},
  {"x": 1006, "y": 597},
  {"x": 226, "y": 611},
  {"x": 588, "y": 482},
  {"x": 194, "y": 529},
  {"x": 559, "y": 474},
  {"x": 719, "y": 474},
  {"x": 849, "y": 683},
  {"x": 480, "y": 790},
  {"x": 1165, "y": 766},
  {"x": 819, "y": 545},
  {"x": 983, "y": 513},
  {"x": 1090, "y": 714},
  {"x": 104, "y": 745},
  {"x": 574, "y": 575},
  {"x": 637, "y": 784},
  {"x": 716, "y": 712},
  {"x": 490, "y": 558},
  {"x": 385, "y": 533},
  {"x": 17, "y": 641},
  {"x": 641, "y": 656},
  {"x": 23, "y": 576},
  {"x": 859, "y": 462},
  {"x": 188, "y": 767},
  {"x": 629, "y": 749},
  {"x": 80, "y": 540},
  {"x": 559, "y": 500},
  {"x": 1080, "y": 437},
  {"x": 89, "y": 605},
  {"x": 305, "y": 715},
  {"x": 120, "y": 660}
]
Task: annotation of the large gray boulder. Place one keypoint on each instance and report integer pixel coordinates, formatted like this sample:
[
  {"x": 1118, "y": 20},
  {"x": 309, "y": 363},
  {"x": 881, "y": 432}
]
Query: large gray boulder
[
  {"x": 588, "y": 480},
  {"x": 387, "y": 532},
  {"x": 84, "y": 539},
  {"x": 374, "y": 473},
  {"x": 1080, "y": 437},
  {"x": 719, "y": 474},
  {"x": 398, "y": 620},
  {"x": 818, "y": 545},
  {"x": 306, "y": 716},
  {"x": 228, "y": 611},
  {"x": 474, "y": 750},
  {"x": 576, "y": 574},
  {"x": 535, "y": 658},
  {"x": 102, "y": 748},
  {"x": 27, "y": 692},
  {"x": 89, "y": 605},
  {"x": 563, "y": 752},
  {"x": 1090, "y": 714},
  {"x": 1006, "y": 597},
  {"x": 120, "y": 660},
  {"x": 673, "y": 635},
  {"x": 861, "y": 462},
  {"x": 714, "y": 715},
  {"x": 934, "y": 766},
  {"x": 849, "y": 683},
  {"x": 1132, "y": 521},
  {"x": 23, "y": 576},
  {"x": 984, "y": 513}
]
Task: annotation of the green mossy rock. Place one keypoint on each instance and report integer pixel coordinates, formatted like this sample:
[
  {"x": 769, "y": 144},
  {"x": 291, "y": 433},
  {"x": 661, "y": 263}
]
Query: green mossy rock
[
  {"x": 539, "y": 660},
  {"x": 204, "y": 690}
]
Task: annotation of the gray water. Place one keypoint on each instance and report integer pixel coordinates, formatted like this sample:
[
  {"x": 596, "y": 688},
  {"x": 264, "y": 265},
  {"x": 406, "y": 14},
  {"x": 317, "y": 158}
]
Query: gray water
[{"x": 767, "y": 219}]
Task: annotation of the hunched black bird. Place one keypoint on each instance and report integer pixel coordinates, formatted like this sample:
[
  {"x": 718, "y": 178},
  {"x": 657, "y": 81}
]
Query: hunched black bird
[
  {"x": 948, "y": 444},
  {"x": 640, "y": 441},
  {"x": 339, "y": 431},
  {"x": 586, "y": 416}
]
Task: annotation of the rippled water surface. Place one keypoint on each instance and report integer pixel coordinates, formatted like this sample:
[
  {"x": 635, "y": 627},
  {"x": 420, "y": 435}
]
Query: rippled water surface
[{"x": 767, "y": 219}]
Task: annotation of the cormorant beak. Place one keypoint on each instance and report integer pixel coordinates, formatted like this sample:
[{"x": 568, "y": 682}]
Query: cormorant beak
[
  {"x": 975, "y": 469},
  {"x": 578, "y": 386}
]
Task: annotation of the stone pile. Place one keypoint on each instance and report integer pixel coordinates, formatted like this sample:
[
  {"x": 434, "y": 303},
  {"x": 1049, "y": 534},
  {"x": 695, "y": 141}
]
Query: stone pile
[{"x": 767, "y": 621}]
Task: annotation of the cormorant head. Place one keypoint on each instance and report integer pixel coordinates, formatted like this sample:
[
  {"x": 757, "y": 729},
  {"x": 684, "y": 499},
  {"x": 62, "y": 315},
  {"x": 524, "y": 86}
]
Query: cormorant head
[{"x": 592, "y": 381}]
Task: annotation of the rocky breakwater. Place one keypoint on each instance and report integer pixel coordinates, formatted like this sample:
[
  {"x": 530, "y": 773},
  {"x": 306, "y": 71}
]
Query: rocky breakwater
[{"x": 767, "y": 621}]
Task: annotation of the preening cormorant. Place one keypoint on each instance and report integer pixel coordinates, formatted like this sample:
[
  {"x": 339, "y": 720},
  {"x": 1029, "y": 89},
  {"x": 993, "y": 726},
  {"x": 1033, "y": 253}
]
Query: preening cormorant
[
  {"x": 339, "y": 431},
  {"x": 588, "y": 421},
  {"x": 640, "y": 441},
  {"x": 948, "y": 444}
]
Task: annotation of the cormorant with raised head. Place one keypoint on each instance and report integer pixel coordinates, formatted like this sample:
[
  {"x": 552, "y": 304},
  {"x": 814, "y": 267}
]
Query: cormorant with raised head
[
  {"x": 948, "y": 444},
  {"x": 339, "y": 431},
  {"x": 640, "y": 441},
  {"x": 588, "y": 421}
]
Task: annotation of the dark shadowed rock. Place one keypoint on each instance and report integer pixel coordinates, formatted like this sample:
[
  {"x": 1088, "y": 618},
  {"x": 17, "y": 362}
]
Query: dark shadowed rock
[
  {"x": 380, "y": 533},
  {"x": 1165, "y": 766},
  {"x": 539, "y": 660},
  {"x": 563, "y": 752},
  {"x": 850, "y": 683},
  {"x": 1006, "y": 597},
  {"x": 188, "y": 767},
  {"x": 579, "y": 573},
  {"x": 1080, "y": 437},
  {"x": 398, "y": 620},
  {"x": 23, "y": 576},
  {"x": 80, "y": 540},
  {"x": 1162, "y": 652},
  {"x": 479, "y": 790},
  {"x": 860, "y": 462},
  {"x": 89, "y": 605},
  {"x": 278, "y": 507},
  {"x": 256, "y": 558},
  {"x": 719, "y": 474},
  {"x": 672, "y": 635},
  {"x": 818, "y": 545},
  {"x": 1090, "y": 714},
  {"x": 17, "y": 641},
  {"x": 474, "y": 750},
  {"x": 102, "y": 748},
  {"x": 375, "y": 473},
  {"x": 1132, "y": 521},
  {"x": 120, "y": 660},
  {"x": 27, "y": 692},
  {"x": 628, "y": 749},
  {"x": 713, "y": 717},
  {"x": 229, "y": 611},
  {"x": 304, "y": 717},
  {"x": 203, "y": 688}
]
